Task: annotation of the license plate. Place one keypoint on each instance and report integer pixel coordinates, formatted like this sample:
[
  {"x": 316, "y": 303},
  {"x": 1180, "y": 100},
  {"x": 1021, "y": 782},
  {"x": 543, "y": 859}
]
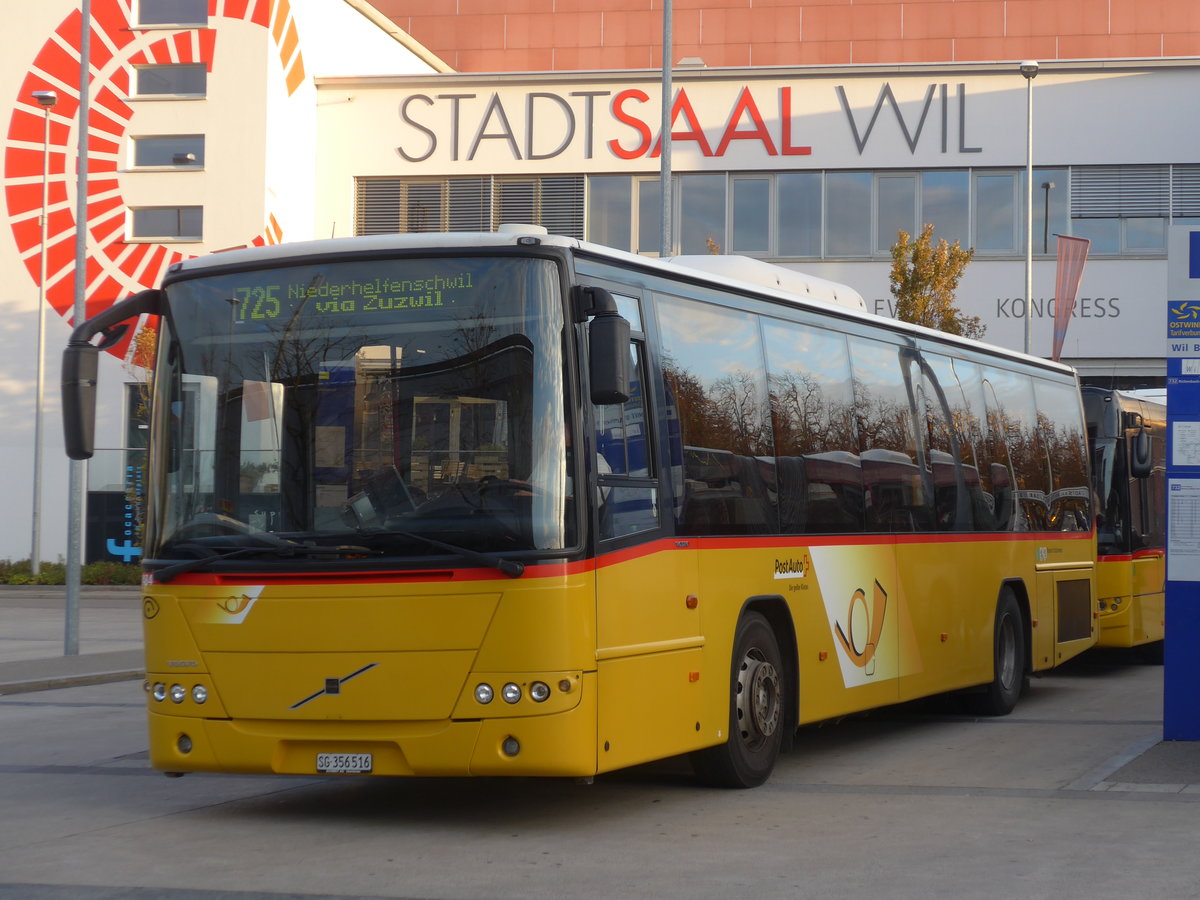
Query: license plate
[{"x": 344, "y": 763}]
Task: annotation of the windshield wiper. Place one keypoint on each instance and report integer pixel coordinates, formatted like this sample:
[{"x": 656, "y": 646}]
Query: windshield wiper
[
  {"x": 509, "y": 567},
  {"x": 284, "y": 550}
]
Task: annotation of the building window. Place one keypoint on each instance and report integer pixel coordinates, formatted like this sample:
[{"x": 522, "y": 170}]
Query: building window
[
  {"x": 400, "y": 206},
  {"x": 182, "y": 151},
  {"x": 701, "y": 216},
  {"x": 751, "y": 231},
  {"x": 610, "y": 199},
  {"x": 896, "y": 208},
  {"x": 1122, "y": 209},
  {"x": 172, "y": 80},
  {"x": 798, "y": 214},
  {"x": 167, "y": 223},
  {"x": 946, "y": 204},
  {"x": 172, "y": 12},
  {"x": 848, "y": 213},
  {"x": 649, "y": 216},
  {"x": 996, "y": 212}
]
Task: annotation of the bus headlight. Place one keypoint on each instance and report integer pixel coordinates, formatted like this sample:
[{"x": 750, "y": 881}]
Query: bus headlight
[
  {"x": 199, "y": 693},
  {"x": 484, "y": 694},
  {"x": 539, "y": 691},
  {"x": 511, "y": 693},
  {"x": 178, "y": 693},
  {"x": 159, "y": 692}
]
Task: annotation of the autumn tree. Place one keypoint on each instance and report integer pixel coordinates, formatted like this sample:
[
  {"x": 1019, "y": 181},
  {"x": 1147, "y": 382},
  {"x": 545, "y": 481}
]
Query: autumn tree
[{"x": 924, "y": 279}]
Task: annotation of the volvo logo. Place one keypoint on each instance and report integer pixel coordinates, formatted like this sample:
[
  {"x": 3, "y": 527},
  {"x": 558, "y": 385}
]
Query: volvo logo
[{"x": 333, "y": 686}]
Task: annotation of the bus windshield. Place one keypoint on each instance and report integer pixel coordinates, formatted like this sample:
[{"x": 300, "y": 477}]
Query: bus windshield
[{"x": 393, "y": 407}]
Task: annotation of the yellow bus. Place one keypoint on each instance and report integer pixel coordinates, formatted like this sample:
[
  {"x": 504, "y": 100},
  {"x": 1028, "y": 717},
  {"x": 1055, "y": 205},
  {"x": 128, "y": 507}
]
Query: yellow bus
[
  {"x": 1127, "y": 439},
  {"x": 513, "y": 504}
]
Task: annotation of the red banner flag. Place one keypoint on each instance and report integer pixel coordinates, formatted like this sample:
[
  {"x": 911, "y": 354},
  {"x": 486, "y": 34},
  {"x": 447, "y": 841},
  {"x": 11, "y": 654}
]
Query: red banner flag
[{"x": 1072, "y": 255}]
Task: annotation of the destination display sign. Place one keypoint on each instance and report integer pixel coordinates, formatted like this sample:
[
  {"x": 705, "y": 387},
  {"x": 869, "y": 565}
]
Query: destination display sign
[{"x": 322, "y": 295}]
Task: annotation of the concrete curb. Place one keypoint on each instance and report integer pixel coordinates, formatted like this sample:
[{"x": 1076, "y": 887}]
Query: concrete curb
[
  {"x": 65, "y": 681},
  {"x": 24, "y": 676}
]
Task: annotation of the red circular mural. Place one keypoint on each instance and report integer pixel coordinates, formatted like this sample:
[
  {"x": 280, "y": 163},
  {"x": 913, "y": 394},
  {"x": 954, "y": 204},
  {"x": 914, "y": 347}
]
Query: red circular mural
[{"x": 115, "y": 268}]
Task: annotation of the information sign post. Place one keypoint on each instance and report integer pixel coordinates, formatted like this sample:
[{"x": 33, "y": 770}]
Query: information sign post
[{"x": 1181, "y": 662}]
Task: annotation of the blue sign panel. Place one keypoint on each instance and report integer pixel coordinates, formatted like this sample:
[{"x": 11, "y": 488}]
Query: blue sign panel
[{"x": 1181, "y": 664}]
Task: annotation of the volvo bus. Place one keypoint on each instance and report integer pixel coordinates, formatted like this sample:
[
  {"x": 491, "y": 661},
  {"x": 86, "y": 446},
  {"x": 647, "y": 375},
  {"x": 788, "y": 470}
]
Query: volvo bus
[
  {"x": 1127, "y": 440},
  {"x": 515, "y": 504}
]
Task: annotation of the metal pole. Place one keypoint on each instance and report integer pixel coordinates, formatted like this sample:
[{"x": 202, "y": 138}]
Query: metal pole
[
  {"x": 1029, "y": 70},
  {"x": 47, "y": 99},
  {"x": 77, "y": 482},
  {"x": 666, "y": 245}
]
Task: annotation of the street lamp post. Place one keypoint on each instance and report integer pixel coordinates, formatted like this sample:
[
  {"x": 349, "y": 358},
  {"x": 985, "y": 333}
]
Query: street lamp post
[
  {"x": 1029, "y": 69},
  {"x": 666, "y": 244},
  {"x": 77, "y": 475},
  {"x": 46, "y": 100}
]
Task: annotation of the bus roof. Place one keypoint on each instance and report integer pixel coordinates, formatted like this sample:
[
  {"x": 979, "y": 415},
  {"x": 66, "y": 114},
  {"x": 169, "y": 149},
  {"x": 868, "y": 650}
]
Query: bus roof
[{"x": 732, "y": 272}]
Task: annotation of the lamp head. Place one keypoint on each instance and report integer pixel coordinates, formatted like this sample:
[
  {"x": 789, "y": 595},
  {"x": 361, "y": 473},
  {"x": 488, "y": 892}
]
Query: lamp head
[
  {"x": 45, "y": 98},
  {"x": 1029, "y": 68}
]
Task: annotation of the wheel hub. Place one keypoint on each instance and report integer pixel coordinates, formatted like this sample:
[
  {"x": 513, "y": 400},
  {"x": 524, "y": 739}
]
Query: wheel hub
[{"x": 758, "y": 708}]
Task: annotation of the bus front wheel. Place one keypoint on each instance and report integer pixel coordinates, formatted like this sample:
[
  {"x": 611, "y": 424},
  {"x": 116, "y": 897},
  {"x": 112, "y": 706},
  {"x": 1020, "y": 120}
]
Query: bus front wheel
[
  {"x": 1008, "y": 648},
  {"x": 756, "y": 711}
]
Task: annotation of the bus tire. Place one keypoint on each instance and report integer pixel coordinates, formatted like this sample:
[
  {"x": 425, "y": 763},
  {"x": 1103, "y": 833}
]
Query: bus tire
[
  {"x": 757, "y": 711},
  {"x": 1000, "y": 696}
]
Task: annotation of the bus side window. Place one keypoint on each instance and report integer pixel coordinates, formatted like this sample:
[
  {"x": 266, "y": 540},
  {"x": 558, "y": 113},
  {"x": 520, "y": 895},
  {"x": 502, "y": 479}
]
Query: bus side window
[
  {"x": 1065, "y": 445},
  {"x": 897, "y": 495},
  {"x": 817, "y": 471},
  {"x": 715, "y": 377},
  {"x": 624, "y": 454}
]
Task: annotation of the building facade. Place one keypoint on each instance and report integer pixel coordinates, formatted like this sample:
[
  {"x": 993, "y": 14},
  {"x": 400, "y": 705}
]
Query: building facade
[
  {"x": 806, "y": 134},
  {"x": 565, "y": 35}
]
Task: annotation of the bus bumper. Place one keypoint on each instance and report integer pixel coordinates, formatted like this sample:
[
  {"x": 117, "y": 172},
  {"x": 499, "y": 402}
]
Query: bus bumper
[{"x": 559, "y": 744}]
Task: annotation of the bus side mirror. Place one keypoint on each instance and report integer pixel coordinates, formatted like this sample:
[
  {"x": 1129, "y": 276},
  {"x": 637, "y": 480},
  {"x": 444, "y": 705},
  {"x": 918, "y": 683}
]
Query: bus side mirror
[
  {"x": 1141, "y": 460},
  {"x": 81, "y": 364},
  {"x": 608, "y": 348}
]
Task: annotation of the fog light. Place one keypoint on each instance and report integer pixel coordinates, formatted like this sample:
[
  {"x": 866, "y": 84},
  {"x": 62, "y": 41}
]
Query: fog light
[
  {"x": 539, "y": 691},
  {"x": 484, "y": 693},
  {"x": 160, "y": 691},
  {"x": 184, "y": 744},
  {"x": 178, "y": 693},
  {"x": 511, "y": 693},
  {"x": 199, "y": 693},
  {"x": 511, "y": 746}
]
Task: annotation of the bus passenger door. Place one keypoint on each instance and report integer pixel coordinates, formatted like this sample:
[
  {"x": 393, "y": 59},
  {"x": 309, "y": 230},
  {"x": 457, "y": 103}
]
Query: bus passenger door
[
  {"x": 1147, "y": 513},
  {"x": 648, "y": 623}
]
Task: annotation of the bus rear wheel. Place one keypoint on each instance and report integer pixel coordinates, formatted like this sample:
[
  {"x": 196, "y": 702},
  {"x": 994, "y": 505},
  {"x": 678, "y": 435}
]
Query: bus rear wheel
[
  {"x": 1008, "y": 648},
  {"x": 757, "y": 714}
]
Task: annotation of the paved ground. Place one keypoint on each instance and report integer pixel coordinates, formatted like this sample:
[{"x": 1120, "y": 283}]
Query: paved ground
[
  {"x": 32, "y": 626},
  {"x": 32, "y": 637}
]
